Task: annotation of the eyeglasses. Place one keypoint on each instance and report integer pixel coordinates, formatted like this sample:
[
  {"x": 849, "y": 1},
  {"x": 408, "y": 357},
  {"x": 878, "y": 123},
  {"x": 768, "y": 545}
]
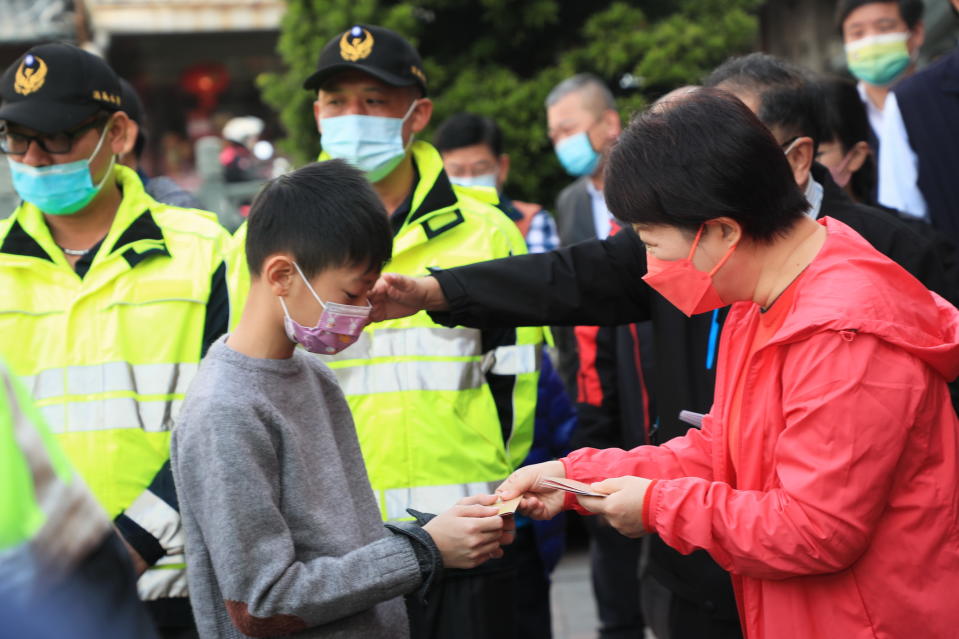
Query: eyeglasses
[{"x": 13, "y": 143}]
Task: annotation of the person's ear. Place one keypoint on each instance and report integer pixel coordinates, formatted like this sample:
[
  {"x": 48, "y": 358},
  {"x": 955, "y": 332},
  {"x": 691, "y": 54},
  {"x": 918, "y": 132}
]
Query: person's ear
[
  {"x": 502, "y": 172},
  {"x": 421, "y": 115},
  {"x": 857, "y": 156},
  {"x": 278, "y": 272},
  {"x": 119, "y": 132},
  {"x": 130, "y": 139},
  {"x": 800, "y": 157},
  {"x": 731, "y": 230},
  {"x": 917, "y": 36},
  {"x": 614, "y": 124},
  {"x": 316, "y": 114}
]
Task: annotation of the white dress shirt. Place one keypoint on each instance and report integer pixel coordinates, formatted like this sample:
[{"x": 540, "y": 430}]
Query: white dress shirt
[
  {"x": 601, "y": 215},
  {"x": 898, "y": 165}
]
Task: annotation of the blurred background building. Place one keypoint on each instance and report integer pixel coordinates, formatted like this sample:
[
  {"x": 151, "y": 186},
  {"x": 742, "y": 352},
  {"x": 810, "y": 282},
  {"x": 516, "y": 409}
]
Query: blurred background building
[
  {"x": 194, "y": 64},
  {"x": 197, "y": 64}
]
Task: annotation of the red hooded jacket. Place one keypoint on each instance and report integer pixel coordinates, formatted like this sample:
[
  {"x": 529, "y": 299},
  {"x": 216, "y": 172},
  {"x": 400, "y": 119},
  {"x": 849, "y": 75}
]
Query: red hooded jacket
[{"x": 842, "y": 519}]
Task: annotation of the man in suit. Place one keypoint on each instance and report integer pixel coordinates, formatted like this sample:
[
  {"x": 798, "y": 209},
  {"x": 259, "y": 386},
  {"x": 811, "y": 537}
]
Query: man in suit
[{"x": 583, "y": 124}]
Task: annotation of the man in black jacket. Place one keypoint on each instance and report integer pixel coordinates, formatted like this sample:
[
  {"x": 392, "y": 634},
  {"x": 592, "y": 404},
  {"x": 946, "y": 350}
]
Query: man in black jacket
[{"x": 599, "y": 282}]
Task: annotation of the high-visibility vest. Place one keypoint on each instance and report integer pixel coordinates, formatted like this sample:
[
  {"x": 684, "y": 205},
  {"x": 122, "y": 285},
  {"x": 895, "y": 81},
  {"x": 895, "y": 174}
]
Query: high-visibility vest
[
  {"x": 108, "y": 357},
  {"x": 425, "y": 415},
  {"x": 49, "y": 521}
]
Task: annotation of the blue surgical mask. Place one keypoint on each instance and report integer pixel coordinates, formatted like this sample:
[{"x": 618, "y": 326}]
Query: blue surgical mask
[
  {"x": 59, "y": 189},
  {"x": 577, "y": 155},
  {"x": 487, "y": 180},
  {"x": 371, "y": 143}
]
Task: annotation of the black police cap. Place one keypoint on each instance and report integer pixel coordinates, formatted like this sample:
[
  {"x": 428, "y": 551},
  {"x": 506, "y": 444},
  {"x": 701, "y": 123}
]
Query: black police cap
[
  {"x": 378, "y": 51},
  {"x": 54, "y": 87}
]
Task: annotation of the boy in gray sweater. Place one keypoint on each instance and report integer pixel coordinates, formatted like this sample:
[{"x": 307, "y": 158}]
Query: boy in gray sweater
[{"x": 283, "y": 534}]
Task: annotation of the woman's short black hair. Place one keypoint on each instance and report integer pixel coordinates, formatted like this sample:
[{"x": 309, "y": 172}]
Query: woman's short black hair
[
  {"x": 326, "y": 215},
  {"x": 848, "y": 124},
  {"x": 909, "y": 10},
  {"x": 467, "y": 129},
  {"x": 699, "y": 157}
]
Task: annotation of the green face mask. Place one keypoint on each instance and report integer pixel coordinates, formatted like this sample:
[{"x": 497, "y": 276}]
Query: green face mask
[{"x": 880, "y": 59}]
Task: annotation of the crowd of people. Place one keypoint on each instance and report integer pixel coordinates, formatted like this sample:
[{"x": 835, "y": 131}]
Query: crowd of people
[{"x": 732, "y": 349}]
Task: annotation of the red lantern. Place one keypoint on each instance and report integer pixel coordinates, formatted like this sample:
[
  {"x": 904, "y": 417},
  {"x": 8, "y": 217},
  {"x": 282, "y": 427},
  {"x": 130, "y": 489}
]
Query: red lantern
[{"x": 206, "y": 81}]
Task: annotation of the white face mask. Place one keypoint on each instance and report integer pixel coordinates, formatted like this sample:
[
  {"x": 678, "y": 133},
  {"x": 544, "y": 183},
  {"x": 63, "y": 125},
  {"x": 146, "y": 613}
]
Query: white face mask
[
  {"x": 487, "y": 180},
  {"x": 373, "y": 144}
]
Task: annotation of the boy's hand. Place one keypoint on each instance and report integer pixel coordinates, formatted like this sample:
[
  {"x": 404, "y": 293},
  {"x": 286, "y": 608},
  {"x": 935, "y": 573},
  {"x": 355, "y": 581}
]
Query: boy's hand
[
  {"x": 470, "y": 532},
  {"x": 394, "y": 296},
  {"x": 538, "y": 501}
]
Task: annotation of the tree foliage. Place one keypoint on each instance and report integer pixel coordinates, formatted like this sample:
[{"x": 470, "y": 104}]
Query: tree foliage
[{"x": 501, "y": 57}]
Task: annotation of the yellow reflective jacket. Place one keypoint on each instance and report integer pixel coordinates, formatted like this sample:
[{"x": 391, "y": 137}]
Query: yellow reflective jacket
[
  {"x": 441, "y": 413},
  {"x": 108, "y": 356}
]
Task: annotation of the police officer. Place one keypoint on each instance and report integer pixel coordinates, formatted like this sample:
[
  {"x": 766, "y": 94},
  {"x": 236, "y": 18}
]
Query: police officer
[
  {"x": 110, "y": 299},
  {"x": 65, "y": 572}
]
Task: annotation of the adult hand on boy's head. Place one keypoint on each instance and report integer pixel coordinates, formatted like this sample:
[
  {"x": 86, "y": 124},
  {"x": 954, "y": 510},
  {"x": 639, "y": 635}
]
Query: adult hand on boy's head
[
  {"x": 394, "y": 296},
  {"x": 468, "y": 533},
  {"x": 538, "y": 501}
]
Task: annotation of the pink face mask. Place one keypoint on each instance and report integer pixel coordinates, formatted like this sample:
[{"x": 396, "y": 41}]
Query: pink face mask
[
  {"x": 687, "y": 288},
  {"x": 340, "y": 325}
]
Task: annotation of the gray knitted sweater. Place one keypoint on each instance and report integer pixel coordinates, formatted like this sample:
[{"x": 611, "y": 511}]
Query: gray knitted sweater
[{"x": 283, "y": 534}]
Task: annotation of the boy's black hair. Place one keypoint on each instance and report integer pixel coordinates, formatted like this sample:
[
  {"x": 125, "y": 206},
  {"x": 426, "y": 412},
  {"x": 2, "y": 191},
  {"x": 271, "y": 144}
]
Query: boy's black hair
[
  {"x": 909, "y": 10},
  {"x": 789, "y": 99},
  {"x": 467, "y": 129},
  {"x": 848, "y": 124},
  {"x": 700, "y": 157},
  {"x": 326, "y": 215}
]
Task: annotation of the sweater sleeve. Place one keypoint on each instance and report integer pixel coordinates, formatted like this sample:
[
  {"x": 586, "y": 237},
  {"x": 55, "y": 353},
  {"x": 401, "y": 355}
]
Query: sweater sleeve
[
  {"x": 227, "y": 479},
  {"x": 849, "y": 403}
]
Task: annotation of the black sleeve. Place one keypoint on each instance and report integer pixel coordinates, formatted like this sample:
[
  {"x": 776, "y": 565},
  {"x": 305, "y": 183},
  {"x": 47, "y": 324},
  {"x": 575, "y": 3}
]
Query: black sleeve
[
  {"x": 595, "y": 282},
  {"x": 217, "y": 309},
  {"x": 938, "y": 259},
  {"x": 134, "y": 522},
  {"x": 501, "y": 386}
]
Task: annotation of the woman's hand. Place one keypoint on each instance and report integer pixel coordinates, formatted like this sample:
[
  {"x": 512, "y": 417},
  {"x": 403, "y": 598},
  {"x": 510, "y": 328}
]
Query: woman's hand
[
  {"x": 623, "y": 505},
  {"x": 470, "y": 532},
  {"x": 394, "y": 296},
  {"x": 538, "y": 501}
]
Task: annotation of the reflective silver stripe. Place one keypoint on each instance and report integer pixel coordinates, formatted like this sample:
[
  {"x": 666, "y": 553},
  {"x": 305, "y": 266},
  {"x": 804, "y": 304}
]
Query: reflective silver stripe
[
  {"x": 162, "y": 581},
  {"x": 75, "y": 523},
  {"x": 159, "y": 519},
  {"x": 111, "y": 377},
  {"x": 431, "y": 499},
  {"x": 404, "y": 342},
  {"x": 514, "y": 360},
  {"x": 417, "y": 375},
  {"x": 115, "y": 413}
]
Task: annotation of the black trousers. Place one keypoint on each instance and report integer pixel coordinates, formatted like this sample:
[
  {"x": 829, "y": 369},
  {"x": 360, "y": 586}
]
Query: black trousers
[
  {"x": 674, "y": 617},
  {"x": 614, "y": 561},
  {"x": 478, "y": 603}
]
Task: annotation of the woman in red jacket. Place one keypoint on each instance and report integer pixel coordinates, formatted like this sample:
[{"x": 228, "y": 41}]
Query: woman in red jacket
[{"x": 825, "y": 476}]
